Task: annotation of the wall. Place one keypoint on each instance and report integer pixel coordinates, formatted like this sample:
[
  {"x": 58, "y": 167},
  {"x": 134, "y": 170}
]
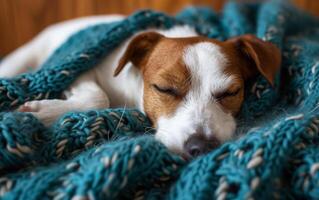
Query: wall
[{"x": 20, "y": 20}]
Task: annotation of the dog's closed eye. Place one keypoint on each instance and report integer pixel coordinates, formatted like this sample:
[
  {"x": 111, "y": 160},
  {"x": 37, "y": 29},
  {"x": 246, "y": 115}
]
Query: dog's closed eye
[
  {"x": 228, "y": 93},
  {"x": 166, "y": 90}
]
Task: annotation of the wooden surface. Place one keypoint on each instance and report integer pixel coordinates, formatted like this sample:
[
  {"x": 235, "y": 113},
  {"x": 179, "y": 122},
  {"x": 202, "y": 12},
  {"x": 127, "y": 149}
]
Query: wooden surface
[{"x": 20, "y": 20}]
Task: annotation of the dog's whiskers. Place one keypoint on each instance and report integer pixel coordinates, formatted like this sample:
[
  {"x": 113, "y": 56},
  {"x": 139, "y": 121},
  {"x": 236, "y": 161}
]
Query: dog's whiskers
[
  {"x": 118, "y": 124},
  {"x": 149, "y": 129}
]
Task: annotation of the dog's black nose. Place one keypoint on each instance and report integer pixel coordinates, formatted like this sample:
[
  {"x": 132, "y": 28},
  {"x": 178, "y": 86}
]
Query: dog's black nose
[{"x": 198, "y": 144}]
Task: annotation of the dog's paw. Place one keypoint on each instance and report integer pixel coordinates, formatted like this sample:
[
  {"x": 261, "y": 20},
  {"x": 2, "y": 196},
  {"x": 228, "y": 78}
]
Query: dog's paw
[
  {"x": 30, "y": 106},
  {"x": 47, "y": 111}
]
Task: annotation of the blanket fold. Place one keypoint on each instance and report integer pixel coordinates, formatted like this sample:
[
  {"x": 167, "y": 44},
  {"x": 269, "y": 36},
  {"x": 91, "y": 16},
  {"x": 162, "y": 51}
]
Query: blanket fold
[{"x": 111, "y": 154}]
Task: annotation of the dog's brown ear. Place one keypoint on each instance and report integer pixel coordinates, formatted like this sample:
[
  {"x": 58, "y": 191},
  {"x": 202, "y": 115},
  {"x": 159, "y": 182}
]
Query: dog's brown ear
[
  {"x": 263, "y": 57},
  {"x": 138, "y": 50}
]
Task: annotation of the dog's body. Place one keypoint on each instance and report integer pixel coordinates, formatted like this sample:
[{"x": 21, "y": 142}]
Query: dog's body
[{"x": 188, "y": 85}]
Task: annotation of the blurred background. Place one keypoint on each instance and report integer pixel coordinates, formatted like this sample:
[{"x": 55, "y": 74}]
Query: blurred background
[{"x": 20, "y": 20}]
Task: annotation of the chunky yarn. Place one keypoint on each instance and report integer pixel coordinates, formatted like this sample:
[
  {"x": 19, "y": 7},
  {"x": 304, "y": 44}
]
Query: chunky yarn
[{"x": 111, "y": 154}]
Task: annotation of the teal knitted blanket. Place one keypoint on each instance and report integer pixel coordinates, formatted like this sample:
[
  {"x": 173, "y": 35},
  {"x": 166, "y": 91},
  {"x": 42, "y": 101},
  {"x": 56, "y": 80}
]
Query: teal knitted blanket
[{"x": 111, "y": 153}]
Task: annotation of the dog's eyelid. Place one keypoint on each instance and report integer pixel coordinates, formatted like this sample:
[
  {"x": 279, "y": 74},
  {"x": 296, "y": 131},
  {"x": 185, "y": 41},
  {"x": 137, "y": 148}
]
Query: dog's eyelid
[
  {"x": 167, "y": 90},
  {"x": 227, "y": 93}
]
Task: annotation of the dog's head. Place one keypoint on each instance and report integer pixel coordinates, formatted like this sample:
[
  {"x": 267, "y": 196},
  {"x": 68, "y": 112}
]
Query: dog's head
[{"x": 193, "y": 87}]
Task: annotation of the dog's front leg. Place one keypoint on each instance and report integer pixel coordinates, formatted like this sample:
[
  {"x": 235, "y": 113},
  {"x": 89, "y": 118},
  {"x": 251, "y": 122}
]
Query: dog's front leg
[{"x": 83, "y": 95}]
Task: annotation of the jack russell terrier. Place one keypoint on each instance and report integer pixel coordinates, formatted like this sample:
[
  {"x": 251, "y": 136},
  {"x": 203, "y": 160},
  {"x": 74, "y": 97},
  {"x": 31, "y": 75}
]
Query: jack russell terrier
[{"x": 191, "y": 87}]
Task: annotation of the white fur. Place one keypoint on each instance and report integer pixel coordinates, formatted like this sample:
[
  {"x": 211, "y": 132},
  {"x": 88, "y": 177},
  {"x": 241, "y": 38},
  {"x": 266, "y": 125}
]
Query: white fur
[
  {"x": 99, "y": 89},
  {"x": 199, "y": 112}
]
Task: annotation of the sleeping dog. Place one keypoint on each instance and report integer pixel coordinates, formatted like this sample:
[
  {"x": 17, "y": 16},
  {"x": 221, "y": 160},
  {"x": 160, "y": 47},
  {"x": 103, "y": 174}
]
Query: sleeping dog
[{"x": 191, "y": 87}]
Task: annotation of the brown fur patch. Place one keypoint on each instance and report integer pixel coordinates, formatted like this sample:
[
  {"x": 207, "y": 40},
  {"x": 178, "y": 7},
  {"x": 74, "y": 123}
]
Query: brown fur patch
[{"x": 165, "y": 68}]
